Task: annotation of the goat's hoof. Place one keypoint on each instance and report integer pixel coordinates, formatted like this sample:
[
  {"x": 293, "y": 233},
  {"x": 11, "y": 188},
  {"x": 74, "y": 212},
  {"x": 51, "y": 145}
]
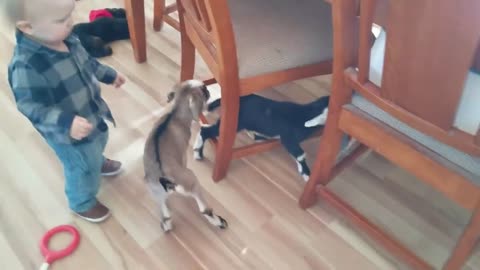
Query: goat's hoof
[
  {"x": 223, "y": 223},
  {"x": 167, "y": 225},
  {"x": 197, "y": 155}
]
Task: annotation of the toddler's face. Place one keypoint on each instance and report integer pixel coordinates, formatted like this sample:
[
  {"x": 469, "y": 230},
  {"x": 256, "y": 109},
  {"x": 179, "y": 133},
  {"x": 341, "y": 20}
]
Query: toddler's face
[{"x": 52, "y": 22}]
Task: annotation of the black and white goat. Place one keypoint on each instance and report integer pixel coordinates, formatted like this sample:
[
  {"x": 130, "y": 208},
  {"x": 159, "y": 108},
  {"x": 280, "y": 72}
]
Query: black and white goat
[
  {"x": 290, "y": 122},
  {"x": 164, "y": 157}
]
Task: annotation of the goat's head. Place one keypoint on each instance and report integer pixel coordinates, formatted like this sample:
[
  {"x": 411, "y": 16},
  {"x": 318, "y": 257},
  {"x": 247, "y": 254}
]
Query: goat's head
[
  {"x": 320, "y": 109},
  {"x": 191, "y": 93}
]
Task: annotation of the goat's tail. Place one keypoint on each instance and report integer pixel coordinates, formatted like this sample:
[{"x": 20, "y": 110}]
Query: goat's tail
[
  {"x": 170, "y": 186},
  {"x": 213, "y": 105},
  {"x": 167, "y": 184}
]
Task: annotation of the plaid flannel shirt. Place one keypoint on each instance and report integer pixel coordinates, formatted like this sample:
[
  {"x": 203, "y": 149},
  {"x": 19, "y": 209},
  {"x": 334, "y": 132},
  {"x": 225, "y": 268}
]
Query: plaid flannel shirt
[{"x": 52, "y": 87}]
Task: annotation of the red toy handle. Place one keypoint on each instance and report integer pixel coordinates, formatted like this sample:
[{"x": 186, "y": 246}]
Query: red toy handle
[{"x": 50, "y": 255}]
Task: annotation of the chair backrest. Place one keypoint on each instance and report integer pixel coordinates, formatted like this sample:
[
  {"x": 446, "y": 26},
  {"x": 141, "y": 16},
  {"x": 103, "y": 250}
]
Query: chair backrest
[
  {"x": 211, "y": 34},
  {"x": 429, "y": 49}
]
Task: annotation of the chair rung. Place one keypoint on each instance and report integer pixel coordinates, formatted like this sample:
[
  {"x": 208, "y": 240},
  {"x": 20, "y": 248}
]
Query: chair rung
[
  {"x": 251, "y": 149},
  {"x": 372, "y": 230},
  {"x": 411, "y": 156},
  {"x": 348, "y": 160},
  {"x": 244, "y": 151},
  {"x": 170, "y": 8},
  {"x": 172, "y": 22},
  {"x": 210, "y": 81}
]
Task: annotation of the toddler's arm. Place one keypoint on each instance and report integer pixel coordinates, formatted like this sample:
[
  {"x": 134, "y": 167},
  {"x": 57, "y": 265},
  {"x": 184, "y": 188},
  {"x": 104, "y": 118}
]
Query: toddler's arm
[
  {"x": 31, "y": 93},
  {"x": 104, "y": 73}
]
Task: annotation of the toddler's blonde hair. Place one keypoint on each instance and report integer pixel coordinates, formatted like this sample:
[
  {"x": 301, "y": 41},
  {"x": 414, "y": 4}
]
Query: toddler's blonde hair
[{"x": 12, "y": 11}]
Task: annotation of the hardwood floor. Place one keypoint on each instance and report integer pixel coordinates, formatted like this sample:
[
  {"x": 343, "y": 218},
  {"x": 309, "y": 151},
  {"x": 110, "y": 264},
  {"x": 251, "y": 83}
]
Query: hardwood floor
[{"x": 259, "y": 197}]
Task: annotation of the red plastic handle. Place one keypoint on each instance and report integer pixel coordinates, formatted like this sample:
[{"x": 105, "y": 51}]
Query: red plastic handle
[{"x": 50, "y": 255}]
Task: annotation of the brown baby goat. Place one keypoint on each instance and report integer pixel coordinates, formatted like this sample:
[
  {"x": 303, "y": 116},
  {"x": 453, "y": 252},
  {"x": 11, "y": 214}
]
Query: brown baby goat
[{"x": 165, "y": 160}]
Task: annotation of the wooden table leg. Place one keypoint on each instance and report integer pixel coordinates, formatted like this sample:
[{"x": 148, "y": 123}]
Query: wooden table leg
[
  {"x": 158, "y": 13},
  {"x": 135, "y": 10}
]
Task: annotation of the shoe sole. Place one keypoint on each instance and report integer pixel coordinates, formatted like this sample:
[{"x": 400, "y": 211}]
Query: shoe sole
[
  {"x": 94, "y": 220},
  {"x": 117, "y": 172}
]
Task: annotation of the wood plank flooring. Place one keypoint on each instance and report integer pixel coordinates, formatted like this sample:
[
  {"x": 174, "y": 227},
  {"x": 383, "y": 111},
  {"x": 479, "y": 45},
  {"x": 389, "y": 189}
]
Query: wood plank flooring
[{"x": 258, "y": 198}]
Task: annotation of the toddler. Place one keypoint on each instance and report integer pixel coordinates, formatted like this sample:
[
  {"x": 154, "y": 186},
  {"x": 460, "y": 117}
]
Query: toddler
[{"x": 56, "y": 86}]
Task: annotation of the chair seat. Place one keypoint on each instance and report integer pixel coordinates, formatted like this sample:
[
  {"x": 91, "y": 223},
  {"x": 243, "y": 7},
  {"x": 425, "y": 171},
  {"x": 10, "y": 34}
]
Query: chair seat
[
  {"x": 467, "y": 162},
  {"x": 275, "y": 35}
]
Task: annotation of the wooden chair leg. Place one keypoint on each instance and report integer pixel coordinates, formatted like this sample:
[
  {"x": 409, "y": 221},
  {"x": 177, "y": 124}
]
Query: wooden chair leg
[
  {"x": 329, "y": 144},
  {"x": 228, "y": 130},
  {"x": 187, "y": 67},
  {"x": 136, "y": 26},
  {"x": 158, "y": 11},
  {"x": 167, "y": 18},
  {"x": 329, "y": 148},
  {"x": 466, "y": 243},
  {"x": 332, "y": 137}
]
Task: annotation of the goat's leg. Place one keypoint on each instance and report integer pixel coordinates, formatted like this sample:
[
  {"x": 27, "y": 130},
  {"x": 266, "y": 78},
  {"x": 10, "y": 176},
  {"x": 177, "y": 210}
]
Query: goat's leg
[
  {"x": 205, "y": 133},
  {"x": 206, "y": 211},
  {"x": 215, "y": 219},
  {"x": 302, "y": 166},
  {"x": 166, "y": 216},
  {"x": 160, "y": 190},
  {"x": 293, "y": 147}
]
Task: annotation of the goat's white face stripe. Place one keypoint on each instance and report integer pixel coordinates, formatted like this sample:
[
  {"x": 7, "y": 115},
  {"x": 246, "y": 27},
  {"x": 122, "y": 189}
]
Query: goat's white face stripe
[
  {"x": 194, "y": 83},
  {"x": 190, "y": 103},
  {"x": 318, "y": 120}
]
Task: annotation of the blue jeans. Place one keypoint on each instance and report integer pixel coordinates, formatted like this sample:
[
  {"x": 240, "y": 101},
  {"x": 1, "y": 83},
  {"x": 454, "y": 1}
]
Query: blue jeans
[{"x": 82, "y": 166}]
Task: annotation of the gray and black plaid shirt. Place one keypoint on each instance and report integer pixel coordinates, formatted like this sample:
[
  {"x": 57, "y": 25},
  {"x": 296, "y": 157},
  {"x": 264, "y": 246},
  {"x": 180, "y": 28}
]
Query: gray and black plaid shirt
[{"x": 52, "y": 87}]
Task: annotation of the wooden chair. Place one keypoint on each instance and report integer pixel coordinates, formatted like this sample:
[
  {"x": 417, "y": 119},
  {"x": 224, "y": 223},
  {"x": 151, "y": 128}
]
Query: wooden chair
[
  {"x": 161, "y": 14},
  {"x": 249, "y": 46},
  {"x": 410, "y": 116}
]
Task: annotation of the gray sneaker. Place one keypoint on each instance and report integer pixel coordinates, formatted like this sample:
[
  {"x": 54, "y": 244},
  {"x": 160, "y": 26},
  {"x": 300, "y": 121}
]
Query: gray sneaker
[
  {"x": 111, "y": 167},
  {"x": 96, "y": 214}
]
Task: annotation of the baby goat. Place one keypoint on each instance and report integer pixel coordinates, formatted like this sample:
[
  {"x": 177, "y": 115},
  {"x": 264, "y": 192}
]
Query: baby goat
[
  {"x": 165, "y": 161},
  {"x": 290, "y": 122}
]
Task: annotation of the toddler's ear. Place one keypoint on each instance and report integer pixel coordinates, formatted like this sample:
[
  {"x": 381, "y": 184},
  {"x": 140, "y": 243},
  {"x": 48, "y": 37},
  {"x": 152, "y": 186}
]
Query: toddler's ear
[{"x": 25, "y": 27}]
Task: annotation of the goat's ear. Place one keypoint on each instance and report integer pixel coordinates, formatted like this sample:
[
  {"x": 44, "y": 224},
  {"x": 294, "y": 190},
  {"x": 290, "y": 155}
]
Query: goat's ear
[
  {"x": 319, "y": 120},
  {"x": 196, "y": 107},
  {"x": 170, "y": 96}
]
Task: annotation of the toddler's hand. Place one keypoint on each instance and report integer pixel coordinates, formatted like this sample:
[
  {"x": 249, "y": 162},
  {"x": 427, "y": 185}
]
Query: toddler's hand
[
  {"x": 80, "y": 128},
  {"x": 119, "y": 81}
]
